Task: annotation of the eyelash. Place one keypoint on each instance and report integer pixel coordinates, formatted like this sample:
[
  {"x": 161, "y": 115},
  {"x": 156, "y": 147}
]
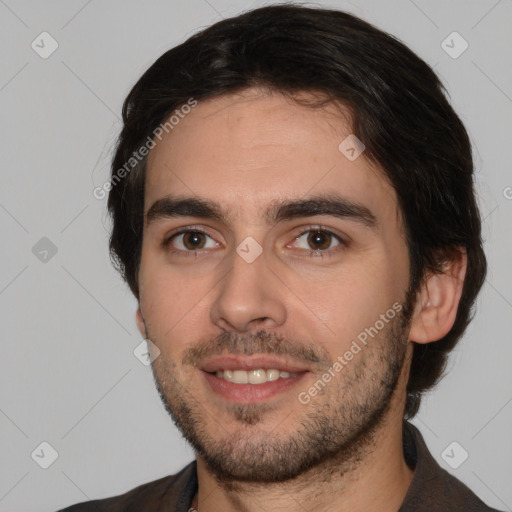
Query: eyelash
[
  {"x": 327, "y": 253},
  {"x": 311, "y": 252},
  {"x": 179, "y": 252}
]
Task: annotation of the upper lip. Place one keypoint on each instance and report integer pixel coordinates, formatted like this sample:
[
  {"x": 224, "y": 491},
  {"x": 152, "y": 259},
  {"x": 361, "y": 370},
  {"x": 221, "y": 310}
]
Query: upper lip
[{"x": 248, "y": 363}]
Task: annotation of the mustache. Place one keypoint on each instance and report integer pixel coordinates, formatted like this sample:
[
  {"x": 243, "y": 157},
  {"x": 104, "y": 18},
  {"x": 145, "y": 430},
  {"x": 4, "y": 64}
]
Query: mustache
[{"x": 260, "y": 342}]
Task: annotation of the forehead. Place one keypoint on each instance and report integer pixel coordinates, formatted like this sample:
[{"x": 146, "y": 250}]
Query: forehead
[{"x": 247, "y": 150}]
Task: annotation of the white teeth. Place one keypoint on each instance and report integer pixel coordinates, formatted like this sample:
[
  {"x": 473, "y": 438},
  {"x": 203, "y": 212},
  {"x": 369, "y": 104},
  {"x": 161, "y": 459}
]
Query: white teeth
[
  {"x": 272, "y": 375},
  {"x": 257, "y": 376},
  {"x": 240, "y": 377},
  {"x": 253, "y": 376}
]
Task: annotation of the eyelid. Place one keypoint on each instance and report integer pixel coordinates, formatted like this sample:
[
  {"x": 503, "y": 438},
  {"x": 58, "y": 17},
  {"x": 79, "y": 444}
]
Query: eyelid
[
  {"x": 186, "y": 229},
  {"x": 324, "y": 229},
  {"x": 304, "y": 229}
]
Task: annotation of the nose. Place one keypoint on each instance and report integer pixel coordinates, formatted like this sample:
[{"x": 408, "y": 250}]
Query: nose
[{"x": 249, "y": 297}]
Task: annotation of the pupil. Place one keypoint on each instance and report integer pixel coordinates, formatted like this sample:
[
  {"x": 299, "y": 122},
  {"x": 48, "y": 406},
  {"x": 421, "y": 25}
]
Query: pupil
[{"x": 321, "y": 240}]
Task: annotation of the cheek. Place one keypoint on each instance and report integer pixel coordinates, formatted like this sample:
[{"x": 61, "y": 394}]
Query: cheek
[
  {"x": 171, "y": 303},
  {"x": 349, "y": 301},
  {"x": 346, "y": 308}
]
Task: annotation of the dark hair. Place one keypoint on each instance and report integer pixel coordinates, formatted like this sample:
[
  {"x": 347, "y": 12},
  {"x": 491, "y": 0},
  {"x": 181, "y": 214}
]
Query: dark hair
[{"x": 399, "y": 112}]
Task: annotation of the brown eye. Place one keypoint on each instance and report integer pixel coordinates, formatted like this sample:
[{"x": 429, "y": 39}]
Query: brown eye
[
  {"x": 193, "y": 240},
  {"x": 190, "y": 241},
  {"x": 319, "y": 240}
]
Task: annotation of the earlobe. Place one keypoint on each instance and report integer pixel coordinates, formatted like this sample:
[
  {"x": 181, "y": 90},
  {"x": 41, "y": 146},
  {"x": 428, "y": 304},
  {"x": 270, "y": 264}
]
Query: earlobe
[
  {"x": 438, "y": 301},
  {"x": 139, "y": 320}
]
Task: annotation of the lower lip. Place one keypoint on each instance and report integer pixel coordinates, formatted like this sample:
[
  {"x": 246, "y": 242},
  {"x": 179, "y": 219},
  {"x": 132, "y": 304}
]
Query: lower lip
[{"x": 251, "y": 393}]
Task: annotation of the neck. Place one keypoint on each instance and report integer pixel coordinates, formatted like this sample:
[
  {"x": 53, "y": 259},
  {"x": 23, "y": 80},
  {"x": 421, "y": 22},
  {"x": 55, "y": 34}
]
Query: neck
[{"x": 376, "y": 478}]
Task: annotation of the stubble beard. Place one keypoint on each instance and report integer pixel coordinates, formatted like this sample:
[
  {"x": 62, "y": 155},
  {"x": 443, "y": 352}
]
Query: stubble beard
[{"x": 336, "y": 430}]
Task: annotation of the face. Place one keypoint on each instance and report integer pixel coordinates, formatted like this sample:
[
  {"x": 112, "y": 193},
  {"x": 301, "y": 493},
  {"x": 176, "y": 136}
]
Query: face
[{"x": 273, "y": 275}]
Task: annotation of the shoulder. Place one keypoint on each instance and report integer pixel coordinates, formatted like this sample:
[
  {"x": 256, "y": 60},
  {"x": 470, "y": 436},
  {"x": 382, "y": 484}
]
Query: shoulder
[
  {"x": 162, "y": 495},
  {"x": 433, "y": 489}
]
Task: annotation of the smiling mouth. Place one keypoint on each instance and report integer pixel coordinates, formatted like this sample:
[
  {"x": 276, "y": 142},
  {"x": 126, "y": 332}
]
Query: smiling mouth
[
  {"x": 259, "y": 376},
  {"x": 252, "y": 386}
]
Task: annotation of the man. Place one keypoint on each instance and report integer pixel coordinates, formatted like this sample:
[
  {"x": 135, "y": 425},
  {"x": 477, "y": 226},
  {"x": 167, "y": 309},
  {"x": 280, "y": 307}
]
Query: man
[{"x": 293, "y": 208}]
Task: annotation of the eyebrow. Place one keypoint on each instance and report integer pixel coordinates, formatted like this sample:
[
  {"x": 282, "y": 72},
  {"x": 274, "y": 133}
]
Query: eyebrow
[{"x": 278, "y": 211}]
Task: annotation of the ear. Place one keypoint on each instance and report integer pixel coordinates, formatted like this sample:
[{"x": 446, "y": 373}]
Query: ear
[
  {"x": 141, "y": 326},
  {"x": 438, "y": 300}
]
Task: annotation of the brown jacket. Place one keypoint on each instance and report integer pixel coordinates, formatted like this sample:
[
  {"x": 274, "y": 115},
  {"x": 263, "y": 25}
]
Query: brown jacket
[{"x": 432, "y": 488}]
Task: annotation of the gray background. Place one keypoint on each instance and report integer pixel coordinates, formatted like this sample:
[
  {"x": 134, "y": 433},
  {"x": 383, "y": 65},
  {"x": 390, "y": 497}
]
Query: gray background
[{"x": 67, "y": 369}]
